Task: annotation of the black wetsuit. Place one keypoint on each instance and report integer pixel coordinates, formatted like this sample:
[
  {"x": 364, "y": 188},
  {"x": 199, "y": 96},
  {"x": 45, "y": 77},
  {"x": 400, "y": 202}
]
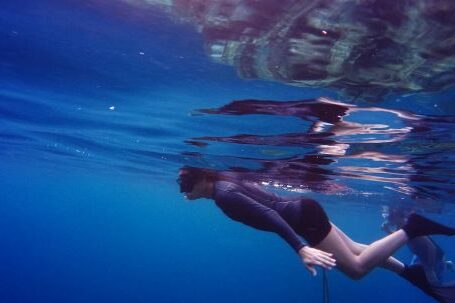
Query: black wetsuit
[{"x": 289, "y": 217}]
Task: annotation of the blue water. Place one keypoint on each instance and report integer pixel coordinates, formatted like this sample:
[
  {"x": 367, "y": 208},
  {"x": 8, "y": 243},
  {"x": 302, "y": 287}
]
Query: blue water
[{"x": 101, "y": 103}]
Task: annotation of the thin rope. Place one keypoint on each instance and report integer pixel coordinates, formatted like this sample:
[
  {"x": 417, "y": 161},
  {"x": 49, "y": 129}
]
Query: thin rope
[{"x": 325, "y": 287}]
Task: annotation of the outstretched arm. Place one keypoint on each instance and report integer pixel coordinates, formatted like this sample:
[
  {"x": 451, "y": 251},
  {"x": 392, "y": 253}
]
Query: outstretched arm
[{"x": 248, "y": 211}]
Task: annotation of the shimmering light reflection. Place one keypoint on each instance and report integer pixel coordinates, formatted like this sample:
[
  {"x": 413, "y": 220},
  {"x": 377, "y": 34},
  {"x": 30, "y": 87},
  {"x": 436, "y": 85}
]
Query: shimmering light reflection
[{"x": 338, "y": 142}]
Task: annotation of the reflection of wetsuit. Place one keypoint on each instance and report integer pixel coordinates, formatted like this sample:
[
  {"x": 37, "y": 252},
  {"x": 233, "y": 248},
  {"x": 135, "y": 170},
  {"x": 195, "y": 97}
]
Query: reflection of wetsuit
[
  {"x": 311, "y": 109},
  {"x": 289, "y": 217}
]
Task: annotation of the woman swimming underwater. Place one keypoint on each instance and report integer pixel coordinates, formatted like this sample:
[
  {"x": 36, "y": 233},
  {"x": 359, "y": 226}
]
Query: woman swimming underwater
[{"x": 293, "y": 218}]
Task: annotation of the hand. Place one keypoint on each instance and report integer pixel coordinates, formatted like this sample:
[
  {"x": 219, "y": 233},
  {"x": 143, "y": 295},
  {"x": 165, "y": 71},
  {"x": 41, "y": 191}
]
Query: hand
[{"x": 312, "y": 256}]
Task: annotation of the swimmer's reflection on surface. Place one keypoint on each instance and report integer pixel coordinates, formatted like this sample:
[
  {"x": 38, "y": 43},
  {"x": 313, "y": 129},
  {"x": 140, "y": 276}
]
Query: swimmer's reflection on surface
[
  {"x": 330, "y": 135},
  {"x": 328, "y": 117},
  {"x": 334, "y": 135}
]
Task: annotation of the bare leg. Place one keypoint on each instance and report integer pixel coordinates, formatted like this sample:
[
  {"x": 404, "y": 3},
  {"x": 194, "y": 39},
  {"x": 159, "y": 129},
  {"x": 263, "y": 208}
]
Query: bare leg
[
  {"x": 375, "y": 254},
  {"x": 391, "y": 263}
]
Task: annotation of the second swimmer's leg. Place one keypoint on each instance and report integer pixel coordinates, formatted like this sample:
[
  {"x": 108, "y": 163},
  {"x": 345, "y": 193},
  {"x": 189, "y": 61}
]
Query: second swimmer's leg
[
  {"x": 390, "y": 263},
  {"x": 356, "y": 266}
]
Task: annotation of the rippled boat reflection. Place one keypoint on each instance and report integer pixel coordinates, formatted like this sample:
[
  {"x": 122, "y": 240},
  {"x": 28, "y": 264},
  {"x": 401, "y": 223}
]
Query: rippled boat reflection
[{"x": 362, "y": 48}]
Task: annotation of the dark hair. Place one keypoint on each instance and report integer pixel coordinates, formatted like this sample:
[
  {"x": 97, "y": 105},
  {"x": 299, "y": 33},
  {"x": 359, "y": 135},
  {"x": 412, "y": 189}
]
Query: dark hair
[
  {"x": 198, "y": 174},
  {"x": 189, "y": 176}
]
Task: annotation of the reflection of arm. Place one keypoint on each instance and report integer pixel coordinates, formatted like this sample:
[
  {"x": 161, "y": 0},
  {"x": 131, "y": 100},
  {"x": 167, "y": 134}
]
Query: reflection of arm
[{"x": 250, "y": 212}]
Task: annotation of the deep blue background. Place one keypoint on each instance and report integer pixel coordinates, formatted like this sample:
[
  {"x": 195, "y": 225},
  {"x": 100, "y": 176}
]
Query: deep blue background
[{"x": 77, "y": 237}]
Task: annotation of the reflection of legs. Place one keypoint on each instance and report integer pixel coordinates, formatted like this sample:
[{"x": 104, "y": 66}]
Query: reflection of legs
[
  {"x": 391, "y": 263},
  {"x": 357, "y": 265}
]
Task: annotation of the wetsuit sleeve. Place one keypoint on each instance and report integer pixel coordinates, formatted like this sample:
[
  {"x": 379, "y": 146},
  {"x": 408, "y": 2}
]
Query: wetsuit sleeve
[{"x": 250, "y": 212}]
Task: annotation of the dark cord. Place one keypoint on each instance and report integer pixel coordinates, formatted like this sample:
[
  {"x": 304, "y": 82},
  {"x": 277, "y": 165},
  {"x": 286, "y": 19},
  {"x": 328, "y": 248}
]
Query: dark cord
[{"x": 325, "y": 287}]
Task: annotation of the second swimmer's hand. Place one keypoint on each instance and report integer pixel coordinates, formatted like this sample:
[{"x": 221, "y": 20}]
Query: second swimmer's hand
[{"x": 312, "y": 256}]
